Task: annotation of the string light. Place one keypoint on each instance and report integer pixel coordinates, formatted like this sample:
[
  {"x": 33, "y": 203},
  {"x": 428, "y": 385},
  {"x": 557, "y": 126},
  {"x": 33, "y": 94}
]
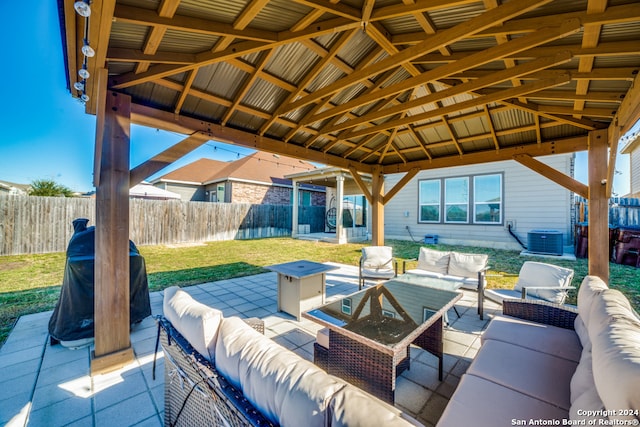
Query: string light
[{"x": 83, "y": 8}]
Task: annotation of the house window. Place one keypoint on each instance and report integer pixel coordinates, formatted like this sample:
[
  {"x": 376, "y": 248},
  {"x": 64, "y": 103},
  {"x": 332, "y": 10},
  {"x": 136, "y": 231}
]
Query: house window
[
  {"x": 346, "y": 306},
  {"x": 467, "y": 199},
  {"x": 388, "y": 313},
  {"x": 429, "y": 200},
  {"x": 456, "y": 200},
  {"x": 487, "y": 196}
]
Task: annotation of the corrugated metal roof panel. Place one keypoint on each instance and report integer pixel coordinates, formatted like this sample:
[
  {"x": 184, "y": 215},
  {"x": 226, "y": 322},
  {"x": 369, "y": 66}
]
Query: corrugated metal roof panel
[
  {"x": 128, "y": 36},
  {"x": 187, "y": 42},
  {"x": 451, "y": 16},
  {"x": 203, "y": 109},
  {"x": 290, "y": 62},
  {"x": 279, "y": 15},
  {"x": 358, "y": 47},
  {"x": 245, "y": 121},
  {"x": 328, "y": 75},
  {"x": 264, "y": 96},
  {"x": 220, "y": 79},
  {"x": 225, "y": 11}
]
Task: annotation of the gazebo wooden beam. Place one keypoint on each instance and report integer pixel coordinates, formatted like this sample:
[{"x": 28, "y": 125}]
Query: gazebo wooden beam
[
  {"x": 164, "y": 159},
  {"x": 553, "y": 174}
]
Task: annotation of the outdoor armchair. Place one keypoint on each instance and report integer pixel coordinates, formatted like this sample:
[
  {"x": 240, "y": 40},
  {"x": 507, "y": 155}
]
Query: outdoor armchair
[
  {"x": 377, "y": 263},
  {"x": 537, "y": 281}
]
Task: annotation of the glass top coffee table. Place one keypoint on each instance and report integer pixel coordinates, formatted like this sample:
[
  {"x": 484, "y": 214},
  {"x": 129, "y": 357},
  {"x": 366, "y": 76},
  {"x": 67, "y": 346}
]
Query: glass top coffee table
[{"x": 370, "y": 332}]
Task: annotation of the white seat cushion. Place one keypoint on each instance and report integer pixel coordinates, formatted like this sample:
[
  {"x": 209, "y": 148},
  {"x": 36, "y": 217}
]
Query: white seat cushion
[
  {"x": 533, "y": 274},
  {"x": 548, "y": 339},
  {"x": 352, "y": 407},
  {"x": 499, "y": 295},
  {"x": 434, "y": 261},
  {"x": 425, "y": 273},
  {"x": 378, "y": 273},
  {"x": 481, "y": 403},
  {"x": 195, "y": 321},
  {"x": 539, "y": 375}
]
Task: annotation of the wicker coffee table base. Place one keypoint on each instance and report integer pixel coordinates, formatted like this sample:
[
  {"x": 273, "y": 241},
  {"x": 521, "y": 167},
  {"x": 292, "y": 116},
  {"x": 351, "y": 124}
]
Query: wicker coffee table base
[{"x": 372, "y": 370}]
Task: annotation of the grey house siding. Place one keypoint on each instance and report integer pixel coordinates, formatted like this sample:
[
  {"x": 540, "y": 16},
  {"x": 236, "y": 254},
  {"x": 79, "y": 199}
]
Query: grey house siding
[
  {"x": 187, "y": 192},
  {"x": 530, "y": 202}
]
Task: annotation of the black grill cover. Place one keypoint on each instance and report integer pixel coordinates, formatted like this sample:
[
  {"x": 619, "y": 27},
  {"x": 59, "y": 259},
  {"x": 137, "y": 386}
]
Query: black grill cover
[{"x": 72, "y": 318}]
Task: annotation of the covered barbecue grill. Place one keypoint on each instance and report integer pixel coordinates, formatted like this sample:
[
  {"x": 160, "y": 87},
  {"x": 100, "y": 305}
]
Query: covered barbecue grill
[{"x": 73, "y": 316}]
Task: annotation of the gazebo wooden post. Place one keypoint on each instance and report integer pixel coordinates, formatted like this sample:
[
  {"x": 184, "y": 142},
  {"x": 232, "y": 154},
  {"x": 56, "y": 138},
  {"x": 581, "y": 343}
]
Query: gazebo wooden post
[
  {"x": 112, "y": 341},
  {"x": 294, "y": 209},
  {"x": 377, "y": 208},
  {"x": 340, "y": 231},
  {"x": 598, "y": 205}
]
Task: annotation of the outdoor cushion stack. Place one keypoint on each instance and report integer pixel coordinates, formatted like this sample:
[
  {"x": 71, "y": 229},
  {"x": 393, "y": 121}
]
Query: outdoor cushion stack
[
  {"x": 528, "y": 370},
  {"x": 283, "y": 388},
  {"x": 465, "y": 268}
]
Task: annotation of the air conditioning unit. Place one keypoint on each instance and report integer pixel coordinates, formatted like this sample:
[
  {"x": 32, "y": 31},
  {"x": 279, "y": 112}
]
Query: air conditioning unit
[{"x": 545, "y": 242}]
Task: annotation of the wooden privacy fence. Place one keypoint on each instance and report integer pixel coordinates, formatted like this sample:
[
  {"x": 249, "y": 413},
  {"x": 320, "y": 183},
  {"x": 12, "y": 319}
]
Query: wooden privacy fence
[
  {"x": 623, "y": 212},
  {"x": 30, "y": 225}
]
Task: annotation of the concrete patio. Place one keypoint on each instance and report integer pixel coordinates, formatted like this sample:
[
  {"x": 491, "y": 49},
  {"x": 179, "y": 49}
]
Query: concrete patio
[{"x": 44, "y": 385}]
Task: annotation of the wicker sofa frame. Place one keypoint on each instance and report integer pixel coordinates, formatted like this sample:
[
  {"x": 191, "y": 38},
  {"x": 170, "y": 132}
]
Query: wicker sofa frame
[
  {"x": 562, "y": 316},
  {"x": 196, "y": 394}
]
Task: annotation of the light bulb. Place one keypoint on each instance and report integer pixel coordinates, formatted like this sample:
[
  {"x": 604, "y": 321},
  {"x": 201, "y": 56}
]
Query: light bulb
[
  {"x": 83, "y": 8},
  {"x": 82, "y": 72},
  {"x": 78, "y": 86},
  {"x": 84, "y": 97},
  {"x": 88, "y": 51}
]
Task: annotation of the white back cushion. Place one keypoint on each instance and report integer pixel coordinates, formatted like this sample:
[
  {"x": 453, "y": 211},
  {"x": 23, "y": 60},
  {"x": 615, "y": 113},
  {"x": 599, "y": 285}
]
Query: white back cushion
[
  {"x": 197, "y": 322},
  {"x": 615, "y": 339},
  {"x": 467, "y": 265},
  {"x": 287, "y": 389},
  {"x": 432, "y": 260},
  {"x": 377, "y": 257},
  {"x": 590, "y": 288},
  {"x": 533, "y": 274}
]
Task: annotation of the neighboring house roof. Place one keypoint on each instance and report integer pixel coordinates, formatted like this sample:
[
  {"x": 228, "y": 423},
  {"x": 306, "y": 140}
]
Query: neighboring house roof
[
  {"x": 145, "y": 190},
  {"x": 13, "y": 188},
  {"x": 257, "y": 167},
  {"x": 196, "y": 172}
]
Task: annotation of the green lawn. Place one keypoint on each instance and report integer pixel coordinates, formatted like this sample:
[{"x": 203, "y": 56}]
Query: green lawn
[{"x": 31, "y": 283}]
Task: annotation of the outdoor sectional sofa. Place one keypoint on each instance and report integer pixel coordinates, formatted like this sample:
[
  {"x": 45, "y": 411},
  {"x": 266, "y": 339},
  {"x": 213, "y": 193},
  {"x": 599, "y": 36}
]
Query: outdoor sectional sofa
[
  {"x": 223, "y": 371},
  {"x": 564, "y": 366}
]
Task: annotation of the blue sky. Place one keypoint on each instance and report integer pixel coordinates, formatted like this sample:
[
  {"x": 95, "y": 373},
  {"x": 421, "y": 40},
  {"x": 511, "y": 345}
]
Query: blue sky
[{"x": 47, "y": 135}]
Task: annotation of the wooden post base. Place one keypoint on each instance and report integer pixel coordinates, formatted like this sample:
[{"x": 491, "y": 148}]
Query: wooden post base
[{"x": 111, "y": 362}]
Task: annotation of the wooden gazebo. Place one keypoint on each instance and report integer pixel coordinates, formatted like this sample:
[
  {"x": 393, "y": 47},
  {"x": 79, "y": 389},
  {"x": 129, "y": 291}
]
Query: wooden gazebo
[{"x": 371, "y": 86}]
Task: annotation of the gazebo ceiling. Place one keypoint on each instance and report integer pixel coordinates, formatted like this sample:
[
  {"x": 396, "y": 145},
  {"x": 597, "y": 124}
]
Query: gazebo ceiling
[{"x": 393, "y": 84}]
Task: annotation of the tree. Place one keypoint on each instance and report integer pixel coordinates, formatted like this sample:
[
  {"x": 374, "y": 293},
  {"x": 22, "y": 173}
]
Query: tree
[{"x": 48, "y": 187}]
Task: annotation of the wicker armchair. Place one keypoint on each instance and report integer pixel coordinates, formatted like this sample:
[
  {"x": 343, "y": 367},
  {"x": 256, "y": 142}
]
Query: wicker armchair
[
  {"x": 536, "y": 281},
  {"x": 377, "y": 263}
]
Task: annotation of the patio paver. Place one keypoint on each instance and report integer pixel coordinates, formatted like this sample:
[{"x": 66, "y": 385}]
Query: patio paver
[{"x": 43, "y": 385}]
